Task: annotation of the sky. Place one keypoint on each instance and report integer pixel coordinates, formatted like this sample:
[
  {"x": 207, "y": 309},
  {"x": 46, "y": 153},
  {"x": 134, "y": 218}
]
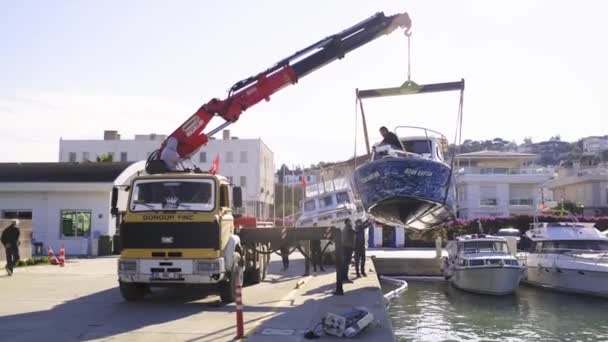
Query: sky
[{"x": 72, "y": 69}]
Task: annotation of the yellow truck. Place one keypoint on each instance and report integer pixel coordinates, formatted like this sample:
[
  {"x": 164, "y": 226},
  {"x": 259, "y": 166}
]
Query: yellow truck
[{"x": 177, "y": 230}]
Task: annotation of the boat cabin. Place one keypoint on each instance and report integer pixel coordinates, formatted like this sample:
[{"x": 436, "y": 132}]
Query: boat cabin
[{"x": 328, "y": 202}]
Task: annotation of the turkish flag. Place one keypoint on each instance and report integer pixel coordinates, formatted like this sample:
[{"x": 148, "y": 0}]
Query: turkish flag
[
  {"x": 303, "y": 182},
  {"x": 216, "y": 165}
]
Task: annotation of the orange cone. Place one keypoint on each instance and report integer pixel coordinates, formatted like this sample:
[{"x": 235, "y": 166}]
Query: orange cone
[
  {"x": 52, "y": 257},
  {"x": 62, "y": 256}
]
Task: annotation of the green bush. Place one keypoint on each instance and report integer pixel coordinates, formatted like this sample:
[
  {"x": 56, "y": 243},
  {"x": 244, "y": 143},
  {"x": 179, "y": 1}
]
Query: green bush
[
  {"x": 30, "y": 262},
  {"x": 42, "y": 260},
  {"x": 20, "y": 263}
]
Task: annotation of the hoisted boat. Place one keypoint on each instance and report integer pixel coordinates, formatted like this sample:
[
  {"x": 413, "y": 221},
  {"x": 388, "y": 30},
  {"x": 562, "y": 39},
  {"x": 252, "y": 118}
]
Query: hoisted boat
[{"x": 410, "y": 186}]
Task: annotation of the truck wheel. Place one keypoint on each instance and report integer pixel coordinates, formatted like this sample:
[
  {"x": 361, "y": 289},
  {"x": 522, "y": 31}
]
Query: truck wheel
[
  {"x": 132, "y": 291},
  {"x": 228, "y": 287}
]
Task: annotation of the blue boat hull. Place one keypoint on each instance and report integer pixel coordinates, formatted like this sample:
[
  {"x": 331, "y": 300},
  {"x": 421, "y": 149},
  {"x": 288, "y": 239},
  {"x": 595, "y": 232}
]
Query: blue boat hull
[{"x": 413, "y": 192}]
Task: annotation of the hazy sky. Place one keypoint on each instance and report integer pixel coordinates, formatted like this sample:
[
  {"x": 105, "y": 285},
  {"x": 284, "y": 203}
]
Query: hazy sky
[{"x": 72, "y": 69}]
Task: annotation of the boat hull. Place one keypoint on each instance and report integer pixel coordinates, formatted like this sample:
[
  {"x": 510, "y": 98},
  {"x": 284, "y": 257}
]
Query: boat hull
[
  {"x": 487, "y": 280},
  {"x": 413, "y": 192},
  {"x": 594, "y": 283}
]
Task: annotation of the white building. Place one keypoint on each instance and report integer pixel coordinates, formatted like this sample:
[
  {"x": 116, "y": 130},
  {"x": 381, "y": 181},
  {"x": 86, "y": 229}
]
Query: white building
[
  {"x": 585, "y": 186},
  {"x": 595, "y": 145},
  {"x": 68, "y": 203},
  {"x": 248, "y": 163},
  {"x": 490, "y": 183}
]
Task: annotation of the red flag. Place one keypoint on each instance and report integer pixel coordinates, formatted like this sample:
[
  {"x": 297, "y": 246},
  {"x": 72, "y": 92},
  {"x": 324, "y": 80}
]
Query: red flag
[
  {"x": 303, "y": 182},
  {"x": 216, "y": 165}
]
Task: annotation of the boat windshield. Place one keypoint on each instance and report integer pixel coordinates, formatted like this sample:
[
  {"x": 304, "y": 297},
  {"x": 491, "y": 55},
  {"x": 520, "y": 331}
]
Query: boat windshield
[
  {"x": 417, "y": 146},
  {"x": 562, "y": 246},
  {"x": 342, "y": 197},
  {"x": 309, "y": 205},
  {"x": 485, "y": 247},
  {"x": 325, "y": 202}
]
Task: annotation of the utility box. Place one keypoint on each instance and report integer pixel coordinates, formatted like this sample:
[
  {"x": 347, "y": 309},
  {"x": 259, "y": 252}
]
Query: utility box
[
  {"x": 105, "y": 245},
  {"x": 116, "y": 244}
]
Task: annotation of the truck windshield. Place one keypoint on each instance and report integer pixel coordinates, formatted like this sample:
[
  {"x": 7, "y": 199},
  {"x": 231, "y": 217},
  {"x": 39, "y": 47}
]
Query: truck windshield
[{"x": 188, "y": 195}]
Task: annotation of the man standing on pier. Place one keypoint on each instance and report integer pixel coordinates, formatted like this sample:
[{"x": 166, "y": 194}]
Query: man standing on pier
[
  {"x": 10, "y": 240},
  {"x": 360, "y": 228},
  {"x": 348, "y": 244}
]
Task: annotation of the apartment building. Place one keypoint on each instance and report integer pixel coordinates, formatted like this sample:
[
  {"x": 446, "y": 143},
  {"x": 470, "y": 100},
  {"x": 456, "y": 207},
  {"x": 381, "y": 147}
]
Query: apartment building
[
  {"x": 585, "y": 186},
  {"x": 248, "y": 163},
  {"x": 492, "y": 183}
]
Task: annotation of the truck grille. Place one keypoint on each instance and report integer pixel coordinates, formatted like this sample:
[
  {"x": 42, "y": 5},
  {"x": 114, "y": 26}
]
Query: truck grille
[{"x": 182, "y": 234}]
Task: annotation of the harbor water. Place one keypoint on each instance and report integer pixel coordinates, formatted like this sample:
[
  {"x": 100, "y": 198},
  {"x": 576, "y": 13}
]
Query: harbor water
[{"x": 435, "y": 311}]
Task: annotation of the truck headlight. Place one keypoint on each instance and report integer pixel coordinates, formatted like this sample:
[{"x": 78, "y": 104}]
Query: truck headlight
[
  {"x": 127, "y": 266},
  {"x": 209, "y": 266}
]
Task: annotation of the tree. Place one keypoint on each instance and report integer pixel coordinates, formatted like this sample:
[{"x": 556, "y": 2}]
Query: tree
[
  {"x": 105, "y": 158},
  {"x": 528, "y": 141}
]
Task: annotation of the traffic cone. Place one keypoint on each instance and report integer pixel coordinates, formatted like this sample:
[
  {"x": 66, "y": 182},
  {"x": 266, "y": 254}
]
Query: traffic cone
[
  {"x": 52, "y": 257},
  {"x": 62, "y": 256}
]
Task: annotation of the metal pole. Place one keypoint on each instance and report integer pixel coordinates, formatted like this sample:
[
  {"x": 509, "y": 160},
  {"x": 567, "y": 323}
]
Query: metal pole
[
  {"x": 239, "y": 308},
  {"x": 293, "y": 197},
  {"x": 337, "y": 235},
  {"x": 283, "y": 197},
  {"x": 364, "y": 124}
]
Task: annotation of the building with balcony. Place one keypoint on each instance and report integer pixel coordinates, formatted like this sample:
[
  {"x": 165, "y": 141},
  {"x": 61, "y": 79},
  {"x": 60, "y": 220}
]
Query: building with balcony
[
  {"x": 248, "y": 163},
  {"x": 584, "y": 186},
  {"x": 492, "y": 183},
  {"x": 595, "y": 145}
]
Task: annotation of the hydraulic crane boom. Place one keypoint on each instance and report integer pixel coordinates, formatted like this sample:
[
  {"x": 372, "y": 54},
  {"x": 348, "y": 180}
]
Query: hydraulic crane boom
[{"x": 189, "y": 137}]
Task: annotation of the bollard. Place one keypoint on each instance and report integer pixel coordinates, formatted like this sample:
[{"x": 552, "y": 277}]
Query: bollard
[
  {"x": 307, "y": 257},
  {"x": 438, "y": 249},
  {"x": 239, "y": 308}
]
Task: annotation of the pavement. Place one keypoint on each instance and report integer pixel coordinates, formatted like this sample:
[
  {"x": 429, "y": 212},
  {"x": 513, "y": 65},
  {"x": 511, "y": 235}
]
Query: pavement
[{"x": 81, "y": 302}]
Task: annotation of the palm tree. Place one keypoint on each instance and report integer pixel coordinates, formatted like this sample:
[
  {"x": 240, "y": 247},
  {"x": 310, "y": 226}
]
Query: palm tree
[{"x": 105, "y": 158}]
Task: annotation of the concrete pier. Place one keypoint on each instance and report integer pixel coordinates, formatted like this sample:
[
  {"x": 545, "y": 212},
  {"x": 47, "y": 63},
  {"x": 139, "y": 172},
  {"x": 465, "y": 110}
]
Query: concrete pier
[
  {"x": 407, "y": 262},
  {"x": 81, "y": 301}
]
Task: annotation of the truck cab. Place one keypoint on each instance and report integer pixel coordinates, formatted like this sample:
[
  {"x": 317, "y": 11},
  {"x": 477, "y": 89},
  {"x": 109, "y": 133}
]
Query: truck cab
[{"x": 178, "y": 230}]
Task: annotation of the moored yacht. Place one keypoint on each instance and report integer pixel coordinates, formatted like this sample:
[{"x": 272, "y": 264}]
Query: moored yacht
[
  {"x": 567, "y": 256},
  {"x": 481, "y": 263}
]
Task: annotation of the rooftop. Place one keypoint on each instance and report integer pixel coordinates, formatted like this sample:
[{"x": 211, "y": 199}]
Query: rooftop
[
  {"x": 482, "y": 155},
  {"x": 61, "y": 172}
]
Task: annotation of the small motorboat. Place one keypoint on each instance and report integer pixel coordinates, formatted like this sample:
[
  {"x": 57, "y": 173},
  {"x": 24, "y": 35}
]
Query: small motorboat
[
  {"x": 409, "y": 186},
  {"x": 483, "y": 264}
]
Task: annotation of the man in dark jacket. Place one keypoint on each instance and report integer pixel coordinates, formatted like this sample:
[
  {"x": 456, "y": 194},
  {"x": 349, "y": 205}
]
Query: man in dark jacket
[
  {"x": 390, "y": 138},
  {"x": 316, "y": 254},
  {"x": 10, "y": 240},
  {"x": 348, "y": 245},
  {"x": 360, "y": 228}
]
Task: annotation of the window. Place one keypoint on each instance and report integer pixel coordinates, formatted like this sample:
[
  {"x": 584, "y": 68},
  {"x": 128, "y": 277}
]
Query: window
[
  {"x": 85, "y": 156},
  {"x": 17, "y": 214},
  {"x": 72, "y": 157},
  {"x": 309, "y": 205},
  {"x": 417, "y": 146},
  {"x": 485, "y": 246},
  {"x": 202, "y": 157},
  {"x": 244, "y": 158},
  {"x": 75, "y": 223},
  {"x": 243, "y": 182},
  {"x": 229, "y": 157},
  {"x": 521, "y": 194},
  {"x": 488, "y": 196},
  {"x": 326, "y": 201},
  {"x": 123, "y": 156},
  {"x": 342, "y": 197}
]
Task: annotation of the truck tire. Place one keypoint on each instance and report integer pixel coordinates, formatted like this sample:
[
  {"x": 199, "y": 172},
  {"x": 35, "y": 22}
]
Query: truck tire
[
  {"x": 132, "y": 291},
  {"x": 227, "y": 288},
  {"x": 259, "y": 272}
]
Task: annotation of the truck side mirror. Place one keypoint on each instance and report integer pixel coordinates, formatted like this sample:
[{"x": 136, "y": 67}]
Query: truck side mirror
[
  {"x": 114, "y": 201},
  {"x": 237, "y": 197}
]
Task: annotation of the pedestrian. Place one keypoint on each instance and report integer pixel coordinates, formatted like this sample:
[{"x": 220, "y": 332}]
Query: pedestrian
[
  {"x": 316, "y": 254},
  {"x": 10, "y": 240},
  {"x": 360, "y": 228},
  {"x": 348, "y": 245},
  {"x": 390, "y": 138},
  {"x": 285, "y": 256}
]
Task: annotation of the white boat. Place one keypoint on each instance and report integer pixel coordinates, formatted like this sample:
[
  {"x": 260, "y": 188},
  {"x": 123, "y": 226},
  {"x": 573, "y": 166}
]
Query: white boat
[
  {"x": 329, "y": 203},
  {"x": 567, "y": 256},
  {"x": 483, "y": 264}
]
